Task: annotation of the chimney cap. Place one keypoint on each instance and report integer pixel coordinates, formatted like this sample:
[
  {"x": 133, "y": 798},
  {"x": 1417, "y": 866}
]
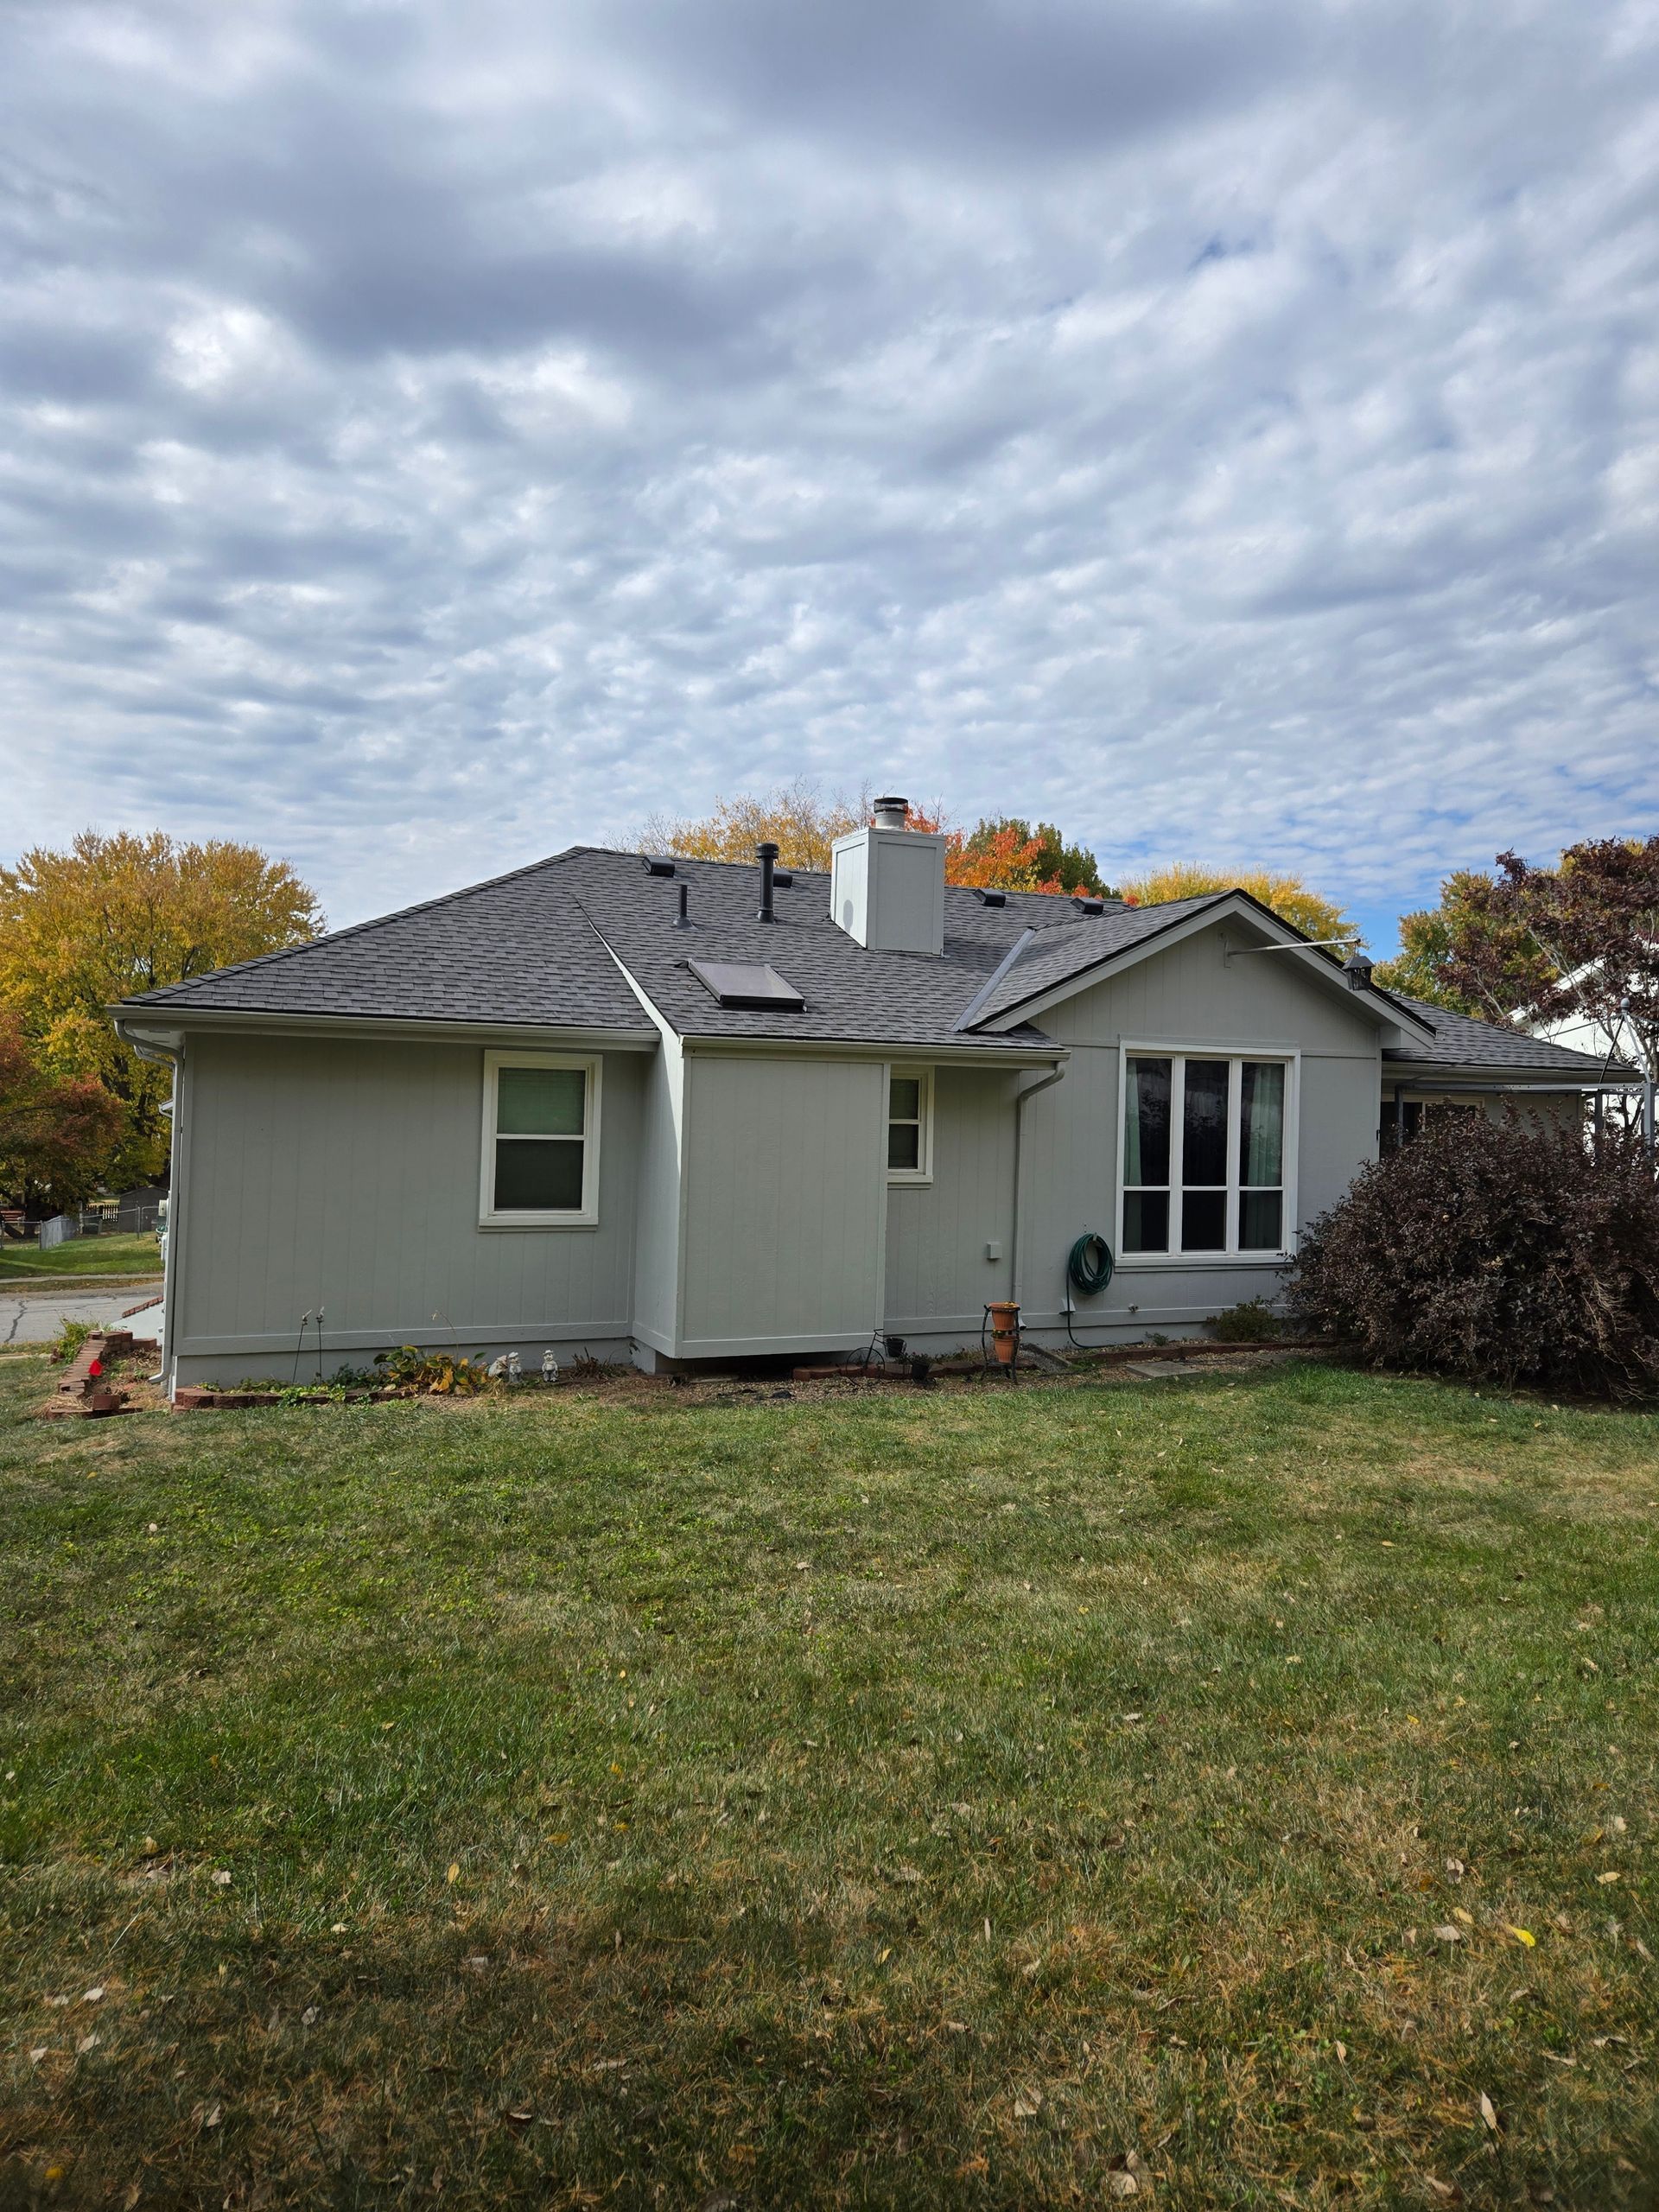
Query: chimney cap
[{"x": 891, "y": 813}]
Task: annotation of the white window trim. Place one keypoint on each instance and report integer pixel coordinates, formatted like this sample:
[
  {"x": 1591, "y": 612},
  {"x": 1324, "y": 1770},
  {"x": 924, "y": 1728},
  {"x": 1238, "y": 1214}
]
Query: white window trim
[
  {"x": 924, "y": 1172},
  {"x": 586, "y": 1215},
  {"x": 1232, "y": 1257}
]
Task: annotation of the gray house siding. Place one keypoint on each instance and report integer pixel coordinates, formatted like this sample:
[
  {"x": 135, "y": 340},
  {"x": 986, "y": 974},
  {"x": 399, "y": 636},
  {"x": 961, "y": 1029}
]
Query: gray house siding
[
  {"x": 1185, "y": 995},
  {"x": 344, "y": 1174},
  {"x": 938, "y": 1278},
  {"x": 783, "y": 1204},
  {"x": 659, "y": 1241}
]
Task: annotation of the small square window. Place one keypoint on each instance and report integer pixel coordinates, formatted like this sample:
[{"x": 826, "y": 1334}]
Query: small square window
[{"x": 541, "y": 1142}]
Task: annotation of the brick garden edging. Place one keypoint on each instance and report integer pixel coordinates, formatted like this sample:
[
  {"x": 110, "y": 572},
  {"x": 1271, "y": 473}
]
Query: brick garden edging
[{"x": 85, "y": 1386}]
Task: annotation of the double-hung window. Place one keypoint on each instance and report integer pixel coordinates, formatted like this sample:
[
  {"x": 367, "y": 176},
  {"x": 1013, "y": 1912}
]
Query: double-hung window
[
  {"x": 1204, "y": 1154},
  {"x": 909, "y": 1125},
  {"x": 541, "y": 1142}
]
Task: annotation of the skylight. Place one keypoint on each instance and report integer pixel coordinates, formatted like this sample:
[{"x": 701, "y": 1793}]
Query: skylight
[{"x": 739, "y": 983}]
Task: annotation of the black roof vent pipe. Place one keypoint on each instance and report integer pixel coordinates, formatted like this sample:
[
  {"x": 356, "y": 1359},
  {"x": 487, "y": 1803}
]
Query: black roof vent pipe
[
  {"x": 768, "y": 856},
  {"x": 683, "y": 921}
]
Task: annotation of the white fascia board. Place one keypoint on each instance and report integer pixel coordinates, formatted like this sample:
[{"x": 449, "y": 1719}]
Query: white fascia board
[
  {"x": 407, "y": 1029},
  {"x": 1377, "y": 1009}
]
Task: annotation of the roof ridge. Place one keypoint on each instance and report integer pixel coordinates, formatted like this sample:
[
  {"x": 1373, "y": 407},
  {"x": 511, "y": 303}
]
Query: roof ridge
[{"x": 361, "y": 929}]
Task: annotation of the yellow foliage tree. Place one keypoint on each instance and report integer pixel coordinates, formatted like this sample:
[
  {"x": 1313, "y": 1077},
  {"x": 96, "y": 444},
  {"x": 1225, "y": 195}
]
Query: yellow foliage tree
[
  {"x": 804, "y": 825},
  {"x": 796, "y": 817},
  {"x": 1287, "y": 895},
  {"x": 115, "y": 915}
]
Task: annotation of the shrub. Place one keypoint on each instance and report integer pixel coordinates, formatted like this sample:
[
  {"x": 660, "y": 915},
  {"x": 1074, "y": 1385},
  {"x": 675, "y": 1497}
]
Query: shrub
[
  {"x": 70, "y": 1339},
  {"x": 1252, "y": 1322},
  {"x": 1496, "y": 1251}
]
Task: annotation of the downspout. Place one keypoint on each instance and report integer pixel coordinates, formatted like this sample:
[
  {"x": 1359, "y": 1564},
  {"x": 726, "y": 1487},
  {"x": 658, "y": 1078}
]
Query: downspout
[
  {"x": 149, "y": 1048},
  {"x": 1031, "y": 1089}
]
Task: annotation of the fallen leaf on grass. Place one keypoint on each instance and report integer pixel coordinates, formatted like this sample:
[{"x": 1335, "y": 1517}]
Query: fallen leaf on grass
[
  {"x": 452, "y": 1872},
  {"x": 521, "y": 2119},
  {"x": 1487, "y": 2113},
  {"x": 88, "y": 2042},
  {"x": 1448, "y": 1933},
  {"x": 1458, "y": 1913},
  {"x": 1447, "y": 2191},
  {"x": 92, "y": 1996},
  {"x": 221, "y": 1879},
  {"x": 38, "y": 2053},
  {"x": 1611, "y": 1875},
  {"x": 1122, "y": 2184},
  {"x": 1523, "y": 1935},
  {"x": 213, "y": 2117},
  {"x": 1027, "y": 2104}
]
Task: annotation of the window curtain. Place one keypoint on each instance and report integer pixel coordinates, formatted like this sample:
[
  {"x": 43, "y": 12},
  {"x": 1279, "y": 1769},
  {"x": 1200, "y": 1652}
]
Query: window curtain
[{"x": 1263, "y": 1146}]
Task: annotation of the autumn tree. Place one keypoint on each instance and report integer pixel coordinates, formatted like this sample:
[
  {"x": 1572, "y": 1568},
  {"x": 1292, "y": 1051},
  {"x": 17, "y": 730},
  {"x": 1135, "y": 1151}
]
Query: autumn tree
[
  {"x": 1004, "y": 855},
  {"x": 1287, "y": 896},
  {"x": 54, "y": 1136},
  {"x": 1472, "y": 953},
  {"x": 111, "y": 916},
  {"x": 796, "y": 817},
  {"x": 1581, "y": 939}
]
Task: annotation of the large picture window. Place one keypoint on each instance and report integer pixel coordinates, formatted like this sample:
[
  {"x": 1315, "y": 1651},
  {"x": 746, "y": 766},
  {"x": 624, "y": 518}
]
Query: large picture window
[
  {"x": 1203, "y": 1154},
  {"x": 541, "y": 1142}
]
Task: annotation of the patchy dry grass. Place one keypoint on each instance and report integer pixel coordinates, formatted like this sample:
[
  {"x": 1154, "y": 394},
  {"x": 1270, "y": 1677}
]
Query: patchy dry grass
[{"x": 1036, "y": 1797}]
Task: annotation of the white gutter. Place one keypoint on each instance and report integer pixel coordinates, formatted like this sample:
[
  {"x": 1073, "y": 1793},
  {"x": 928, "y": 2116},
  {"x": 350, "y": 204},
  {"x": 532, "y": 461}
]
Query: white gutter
[{"x": 1029, "y": 1092}]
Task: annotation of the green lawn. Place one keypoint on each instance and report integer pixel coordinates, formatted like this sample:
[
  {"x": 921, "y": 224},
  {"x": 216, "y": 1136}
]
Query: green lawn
[
  {"x": 81, "y": 1255},
  {"x": 978, "y": 1798}
]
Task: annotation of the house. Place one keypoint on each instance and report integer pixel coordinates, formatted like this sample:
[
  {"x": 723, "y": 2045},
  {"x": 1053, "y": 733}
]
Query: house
[{"x": 676, "y": 1111}]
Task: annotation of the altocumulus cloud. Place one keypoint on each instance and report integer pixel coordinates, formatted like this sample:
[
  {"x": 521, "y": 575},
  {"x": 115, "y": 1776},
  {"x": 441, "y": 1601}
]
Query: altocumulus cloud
[{"x": 435, "y": 430}]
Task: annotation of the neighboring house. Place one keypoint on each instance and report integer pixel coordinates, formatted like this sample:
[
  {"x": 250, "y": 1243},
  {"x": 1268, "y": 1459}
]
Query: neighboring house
[{"x": 679, "y": 1110}]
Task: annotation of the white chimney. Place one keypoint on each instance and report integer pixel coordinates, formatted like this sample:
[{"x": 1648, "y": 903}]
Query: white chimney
[{"x": 887, "y": 884}]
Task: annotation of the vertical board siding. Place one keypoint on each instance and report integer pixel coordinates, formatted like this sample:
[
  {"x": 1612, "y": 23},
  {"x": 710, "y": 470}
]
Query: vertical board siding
[
  {"x": 937, "y": 1272},
  {"x": 1188, "y": 994},
  {"x": 785, "y": 1184},
  {"x": 345, "y": 1174},
  {"x": 656, "y": 1239}
]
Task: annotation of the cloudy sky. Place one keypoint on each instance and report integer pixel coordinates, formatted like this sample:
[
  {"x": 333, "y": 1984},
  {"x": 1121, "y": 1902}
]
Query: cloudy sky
[{"x": 434, "y": 431}]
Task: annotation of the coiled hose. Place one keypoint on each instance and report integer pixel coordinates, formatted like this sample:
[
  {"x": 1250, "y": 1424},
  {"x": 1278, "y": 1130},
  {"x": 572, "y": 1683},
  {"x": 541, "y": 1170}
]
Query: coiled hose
[{"x": 1089, "y": 1267}]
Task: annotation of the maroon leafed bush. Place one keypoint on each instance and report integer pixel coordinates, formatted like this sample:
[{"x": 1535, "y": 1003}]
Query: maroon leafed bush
[{"x": 1497, "y": 1251}]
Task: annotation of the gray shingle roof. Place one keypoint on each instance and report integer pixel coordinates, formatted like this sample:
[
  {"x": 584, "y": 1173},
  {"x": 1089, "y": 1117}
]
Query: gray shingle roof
[
  {"x": 1085, "y": 945},
  {"x": 534, "y": 948},
  {"x": 853, "y": 995},
  {"x": 1459, "y": 1042},
  {"x": 517, "y": 949}
]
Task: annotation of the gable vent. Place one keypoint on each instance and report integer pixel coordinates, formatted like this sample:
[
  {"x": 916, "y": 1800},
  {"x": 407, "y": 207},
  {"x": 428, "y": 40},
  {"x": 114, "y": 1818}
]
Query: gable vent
[{"x": 743, "y": 983}]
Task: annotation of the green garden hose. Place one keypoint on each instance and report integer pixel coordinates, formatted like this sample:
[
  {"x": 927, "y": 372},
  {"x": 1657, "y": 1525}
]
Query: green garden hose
[{"x": 1089, "y": 1267}]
